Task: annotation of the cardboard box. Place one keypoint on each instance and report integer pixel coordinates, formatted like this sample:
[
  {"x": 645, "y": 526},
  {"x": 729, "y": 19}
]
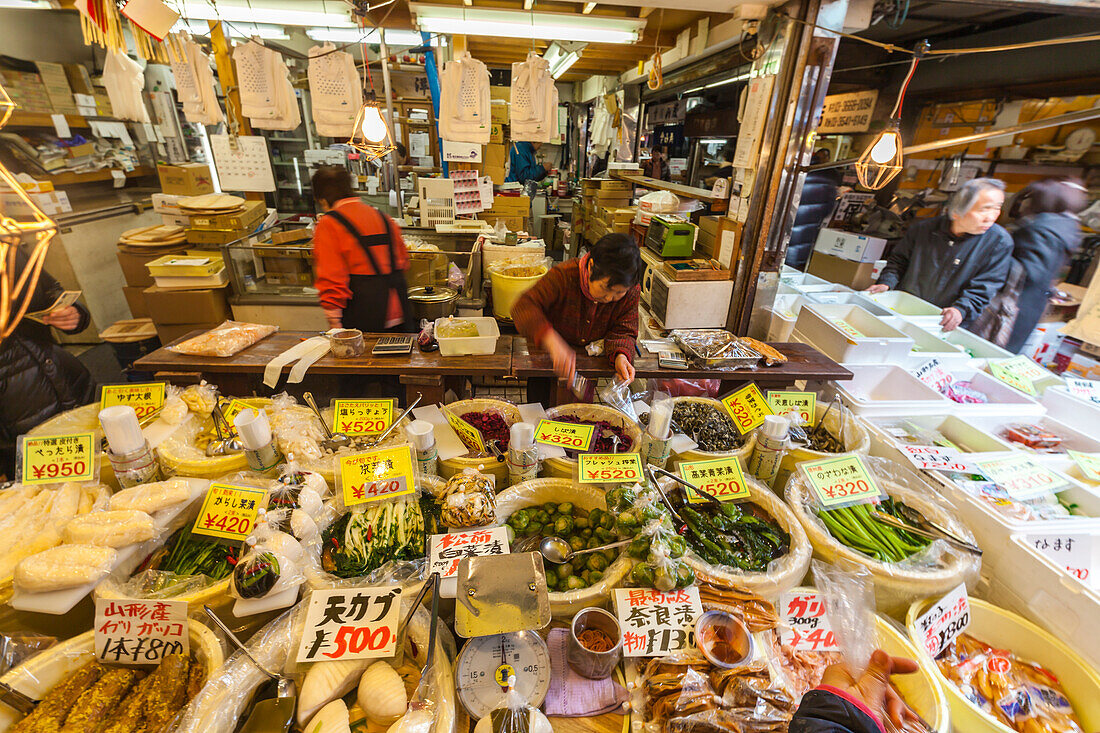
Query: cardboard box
[
  {"x": 498, "y": 112},
  {"x": 79, "y": 79},
  {"x": 176, "y": 220},
  {"x": 166, "y": 203},
  {"x": 709, "y": 224},
  {"x": 77, "y": 151},
  {"x": 495, "y": 156},
  {"x": 170, "y": 332},
  {"x": 187, "y": 306},
  {"x": 497, "y": 173},
  {"x": 496, "y": 133},
  {"x": 51, "y": 204},
  {"x": 849, "y": 246},
  {"x": 612, "y": 200},
  {"x": 215, "y": 236},
  {"x": 514, "y": 223},
  {"x": 134, "y": 270},
  {"x": 501, "y": 93},
  {"x": 189, "y": 179},
  {"x": 136, "y": 301},
  {"x": 253, "y": 213},
  {"x": 856, "y": 275}
]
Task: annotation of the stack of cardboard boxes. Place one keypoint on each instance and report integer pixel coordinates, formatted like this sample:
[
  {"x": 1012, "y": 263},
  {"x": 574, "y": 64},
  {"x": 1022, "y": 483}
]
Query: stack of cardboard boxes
[
  {"x": 604, "y": 208},
  {"x": 56, "y": 83},
  {"x": 218, "y": 229},
  {"x": 495, "y": 156},
  {"x": 846, "y": 258},
  {"x": 514, "y": 211}
]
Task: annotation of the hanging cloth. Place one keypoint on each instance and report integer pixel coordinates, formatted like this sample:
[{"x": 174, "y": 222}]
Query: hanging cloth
[
  {"x": 125, "y": 83},
  {"x": 335, "y": 91},
  {"x": 464, "y": 111}
]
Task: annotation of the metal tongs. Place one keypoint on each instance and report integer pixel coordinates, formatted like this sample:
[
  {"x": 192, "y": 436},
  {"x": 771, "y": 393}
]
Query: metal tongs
[
  {"x": 16, "y": 700},
  {"x": 918, "y": 524},
  {"x": 402, "y": 416},
  {"x": 332, "y": 441},
  {"x": 422, "y": 698},
  {"x": 669, "y": 475},
  {"x": 222, "y": 445}
]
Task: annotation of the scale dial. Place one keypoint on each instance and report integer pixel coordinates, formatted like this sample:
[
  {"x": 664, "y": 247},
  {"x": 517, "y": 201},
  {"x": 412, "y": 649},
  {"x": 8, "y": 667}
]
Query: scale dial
[{"x": 485, "y": 663}]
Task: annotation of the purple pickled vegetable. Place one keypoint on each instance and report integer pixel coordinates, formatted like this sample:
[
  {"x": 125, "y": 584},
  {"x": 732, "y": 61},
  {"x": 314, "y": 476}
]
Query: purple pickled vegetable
[
  {"x": 492, "y": 425},
  {"x": 601, "y": 441}
]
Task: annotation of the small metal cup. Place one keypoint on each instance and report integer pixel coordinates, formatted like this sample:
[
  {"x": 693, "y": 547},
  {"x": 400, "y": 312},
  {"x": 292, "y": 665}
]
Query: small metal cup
[{"x": 587, "y": 663}]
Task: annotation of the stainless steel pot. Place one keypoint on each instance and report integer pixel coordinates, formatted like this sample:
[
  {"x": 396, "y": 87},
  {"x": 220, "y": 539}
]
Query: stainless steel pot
[{"x": 432, "y": 302}]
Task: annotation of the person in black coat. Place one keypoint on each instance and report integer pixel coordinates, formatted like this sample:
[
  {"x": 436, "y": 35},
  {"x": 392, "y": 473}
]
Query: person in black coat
[
  {"x": 815, "y": 205},
  {"x": 1049, "y": 234},
  {"x": 843, "y": 703},
  {"x": 39, "y": 379}
]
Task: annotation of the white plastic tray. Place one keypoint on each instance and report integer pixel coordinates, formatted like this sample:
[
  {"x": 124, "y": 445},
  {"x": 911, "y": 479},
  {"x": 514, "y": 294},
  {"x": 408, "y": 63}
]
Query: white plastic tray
[
  {"x": 1064, "y": 406},
  {"x": 904, "y": 304},
  {"x": 484, "y": 343},
  {"x": 886, "y": 389},
  {"x": 1003, "y": 400},
  {"x": 879, "y": 343},
  {"x": 927, "y": 345},
  {"x": 974, "y": 346}
]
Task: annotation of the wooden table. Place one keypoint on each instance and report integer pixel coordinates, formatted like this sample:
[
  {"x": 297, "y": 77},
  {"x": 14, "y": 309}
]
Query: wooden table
[
  {"x": 428, "y": 373},
  {"x": 803, "y": 363}
]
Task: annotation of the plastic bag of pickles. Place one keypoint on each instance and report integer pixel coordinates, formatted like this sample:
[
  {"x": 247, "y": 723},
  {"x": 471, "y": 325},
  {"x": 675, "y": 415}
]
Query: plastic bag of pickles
[{"x": 640, "y": 514}]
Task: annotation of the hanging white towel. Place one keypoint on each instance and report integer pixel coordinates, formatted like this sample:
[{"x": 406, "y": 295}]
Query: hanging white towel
[
  {"x": 125, "y": 83},
  {"x": 267, "y": 96},
  {"x": 534, "y": 101},
  {"x": 464, "y": 112},
  {"x": 336, "y": 92},
  {"x": 195, "y": 82}
]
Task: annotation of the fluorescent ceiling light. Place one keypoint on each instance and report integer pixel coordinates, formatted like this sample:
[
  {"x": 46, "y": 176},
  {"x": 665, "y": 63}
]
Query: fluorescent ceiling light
[
  {"x": 724, "y": 82},
  {"x": 236, "y": 29},
  {"x": 563, "y": 54},
  {"x": 518, "y": 24},
  {"x": 284, "y": 14},
  {"x": 394, "y": 37},
  {"x": 588, "y": 8},
  {"x": 713, "y": 141}
]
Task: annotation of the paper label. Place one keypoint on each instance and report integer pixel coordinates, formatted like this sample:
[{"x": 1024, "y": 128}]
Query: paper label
[
  {"x": 375, "y": 475},
  {"x": 1074, "y": 552},
  {"x": 361, "y": 417},
  {"x": 804, "y": 404},
  {"x": 721, "y": 478},
  {"x": 935, "y": 458},
  {"x": 232, "y": 409},
  {"x": 933, "y": 374},
  {"x": 747, "y": 407},
  {"x": 447, "y": 550},
  {"x": 1022, "y": 477},
  {"x": 61, "y": 126},
  {"x": 656, "y": 623},
  {"x": 351, "y": 623},
  {"x": 144, "y": 398},
  {"x": 804, "y": 623},
  {"x": 610, "y": 468},
  {"x": 229, "y": 512},
  {"x": 467, "y": 433},
  {"x": 51, "y": 459},
  {"x": 572, "y": 436},
  {"x": 1089, "y": 463},
  {"x": 1019, "y": 373},
  {"x": 841, "y": 481},
  {"x": 140, "y": 632},
  {"x": 1086, "y": 389},
  {"x": 946, "y": 619}
]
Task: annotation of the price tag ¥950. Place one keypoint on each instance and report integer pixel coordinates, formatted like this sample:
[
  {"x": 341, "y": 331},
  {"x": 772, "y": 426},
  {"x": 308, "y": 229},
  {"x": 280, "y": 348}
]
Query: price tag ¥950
[
  {"x": 52, "y": 459},
  {"x": 841, "y": 481},
  {"x": 467, "y": 433},
  {"x": 229, "y": 512},
  {"x": 361, "y": 417},
  {"x": 144, "y": 398},
  {"x": 721, "y": 478},
  {"x": 568, "y": 435},
  {"x": 946, "y": 619},
  {"x": 747, "y": 407},
  {"x": 609, "y": 468},
  {"x": 375, "y": 475},
  {"x": 802, "y": 403}
]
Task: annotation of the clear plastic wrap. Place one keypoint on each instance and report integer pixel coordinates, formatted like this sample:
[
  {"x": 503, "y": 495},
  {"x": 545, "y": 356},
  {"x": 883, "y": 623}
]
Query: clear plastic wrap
[
  {"x": 175, "y": 410},
  {"x": 152, "y": 497},
  {"x": 64, "y": 566},
  {"x": 456, "y": 328},
  {"x": 227, "y": 339},
  {"x": 689, "y": 387},
  {"x": 17, "y": 648},
  {"x": 850, "y": 598},
  {"x": 200, "y": 398},
  {"x": 367, "y": 536},
  {"x": 469, "y": 500},
  {"x": 521, "y": 266},
  {"x": 617, "y": 395},
  {"x": 514, "y": 715},
  {"x": 272, "y": 564}
]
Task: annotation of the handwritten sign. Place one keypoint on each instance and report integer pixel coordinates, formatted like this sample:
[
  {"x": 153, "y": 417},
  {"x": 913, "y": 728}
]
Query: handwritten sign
[
  {"x": 841, "y": 481},
  {"x": 721, "y": 478},
  {"x": 229, "y": 512},
  {"x": 1086, "y": 389},
  {"x": 946, "y": 619},
  {"x": 1022, "y": 477},
  {"x": 1019, "y": 372},
  {"x": 447, "y": 550},
  {"x": 609, "y": 468},
  {"x": 361, "y": 417},
  {"x": 804, "y": 622},
  {"x": 469, "y": 435},
  {"x": 804, "y": 404},
  {"x": 51, "y": 459},
  {"x": 375, "y": 475},
  {"x": 1089, "y": 463},
  {"x": 935, "y": 458},
  {"x": 934, "y": 375},
  {"x": 351, "y": 623},
  {"x": 140, "y": 632},
  {"x": 657, "y": 623},
  {"x": 1074, "y": 552},
  {"x": 144, "y": 398},
  {"x": 572, "y": 436},
  {"x": 747, "y": 407}
]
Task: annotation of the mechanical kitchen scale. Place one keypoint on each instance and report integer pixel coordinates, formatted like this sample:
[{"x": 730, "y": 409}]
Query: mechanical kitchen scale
[{"x": 485, "y": 663}]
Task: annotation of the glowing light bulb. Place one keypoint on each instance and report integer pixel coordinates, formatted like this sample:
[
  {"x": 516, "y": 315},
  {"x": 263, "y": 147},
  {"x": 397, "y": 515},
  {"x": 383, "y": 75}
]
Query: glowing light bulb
[
  {"x": 373, "y": 126},
  {"x": 886, "y": 147}
]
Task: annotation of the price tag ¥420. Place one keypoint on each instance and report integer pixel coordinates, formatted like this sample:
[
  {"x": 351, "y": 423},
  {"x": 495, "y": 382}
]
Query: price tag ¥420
[
  {"x": 803, "y": 403},
  {"x": 467, "y": 433},
  {"x": 140, "y": 631},
  {"x": 568, "y": 435},
  {"x": 609, "y": 468},
  {"x": 721, "y": 478},
  {"x": 841, "y": 481},
  {"x": 144, "y": 398},
  {"x": 946, "y": 619},
  {"x": 747, "y": 407},
  {"x": 229, "y": 512},
  {"x": 805, "y": 623},
  {"x": 351, "y": 623},
  {"x": 375, "y": 475},
  {"x": 51, "y": 459},
  {"x": 361, "y": 417}
]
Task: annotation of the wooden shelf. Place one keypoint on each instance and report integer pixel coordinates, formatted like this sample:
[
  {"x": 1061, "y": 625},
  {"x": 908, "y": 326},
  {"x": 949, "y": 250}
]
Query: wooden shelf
[
  {"x": 701, "y": 194},
  {"x": 20, "y": 118},
  {"x": 69, "y": 179}
]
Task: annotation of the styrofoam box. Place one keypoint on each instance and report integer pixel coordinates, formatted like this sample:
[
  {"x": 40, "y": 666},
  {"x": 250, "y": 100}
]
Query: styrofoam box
[
  {"x": 926, "y": 346},
  {"x": 878, "y": 390},
  {"x": 1072, "y": 439},
  {"x": 1062, "y": 405},
  {"x": 1003, "y": 400},
  {"x": 904, "y": 304},
  {"x": 977, "y": 347},
  {"x": 879, "y": 343},
  {"x": 484, "y": 343},
  {"x": 967, "y": 436},
  {"x": 847, "y": 298}
]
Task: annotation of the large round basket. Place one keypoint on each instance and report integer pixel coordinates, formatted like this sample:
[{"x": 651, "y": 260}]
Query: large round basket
[
  {"x": 179, "y": 456},
  {"x": 485, "y": 464},
  {"x": 566, "y": 467},
  {"x": 856, "y": 440},
  {"x": 688, "y": 456}
]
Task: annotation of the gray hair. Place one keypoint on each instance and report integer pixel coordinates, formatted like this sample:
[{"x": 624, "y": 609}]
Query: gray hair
[{"x": 968, "y": 193}]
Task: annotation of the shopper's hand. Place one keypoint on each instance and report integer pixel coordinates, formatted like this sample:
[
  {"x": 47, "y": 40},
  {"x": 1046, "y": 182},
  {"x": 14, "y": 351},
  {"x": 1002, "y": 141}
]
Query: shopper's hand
[
  {"x": 66, "y": 318},
  {"x": 334, "y": 316},
  {"x": 951, "y": 318},
  {"x": 878, "y": 288},
  {"x": 565, "y": 358},
  {"x": 873, "y": 688},
  {"x": 623, "y": 368}
]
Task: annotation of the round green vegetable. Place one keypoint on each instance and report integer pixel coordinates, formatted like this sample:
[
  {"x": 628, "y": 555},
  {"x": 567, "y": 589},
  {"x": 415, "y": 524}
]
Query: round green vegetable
[
  {"x": 565, "y": 507},
  {"x": 565, "y": 570},
  {"x": 595, "y": 577},
  {"x": 642, "y": 575},
  {"x": 638, "y": 547},
  {"x": 563, "y": 526},
  {"x": 597, "y": 561},
  {"x": 519, "y": 520},
  {"x": 541, "y": 516},
  {"x": 577, "y": 543},
  {"x": 574, "y": 583}
]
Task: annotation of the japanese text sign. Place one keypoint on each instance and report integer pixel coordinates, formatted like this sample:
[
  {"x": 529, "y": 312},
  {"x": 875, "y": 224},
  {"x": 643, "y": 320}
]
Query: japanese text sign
[
  {"x": 229, "y": 512},
  {"x": 804, "y": 622},
  {"x": 841, "y": 481},
  {"x": 934, "y": 375},
  {"x": 375, "y": 475},
  {"x": 610, "y": 468},
  {"x": 747, "y": 407},
  {"x": 1074, "y": 552},
  {"x": 1086, "y": 389},
  {"x": 802, "y": 404},
  {"x": 448, "y": 549},
  {"x": 51, "y": 459},
  {"x": 231, "y": 410},
  {"x": 361, "y": 417},
  {"x": 657, "y": 623},
  {"x": 469, "y": 435},
  {"x": 1089, "y": 463},
  {"x": 144, "y": 398},
  {"x": 721, "y": 478},
  {"x": 140, "y": 632},
  {"x": 568, "y": 435},
  {"x": 1018, "y": 372},
  {"x": 1022, "y": 477},
  {"x": 935, "y": 458},
  {"x": 944, "y": 620},
  {"x": 351, "y": 623}
]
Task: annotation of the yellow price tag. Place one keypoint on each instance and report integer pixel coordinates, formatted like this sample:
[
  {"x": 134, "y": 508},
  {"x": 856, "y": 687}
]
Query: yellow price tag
[
  {"x": 609, "y": 468},
  {"x": 361, "y": 417},
  {"x": 234, "y": 408},
  {"x": 721, "y": 478},
  {"x": 375, "y": 475},
  {"x": 144, "y": 398},
  {"x": 841, "y": 481},
  {"x": 469, "y": 435},
  {"x": 229, "y": 512},
  {"x": 1009, "y": 373},
  {"x": 568, "y": 435},
  {"x": 747, "y": 407},
  {"x": 52, "y": 459},
  {"x": 803, "y": 403},
  {"x": 1089, "y": 463}
]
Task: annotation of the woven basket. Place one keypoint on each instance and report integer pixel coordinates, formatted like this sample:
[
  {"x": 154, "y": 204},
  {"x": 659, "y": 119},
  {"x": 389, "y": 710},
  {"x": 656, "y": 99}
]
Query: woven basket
[
  {"x": 567, "y": 467},
  {"x": 856, "y": 440},
  {"x": 741, "y": 453},
  {"x": 186, "y": 459},
  {"x": 485, "y": 464}
]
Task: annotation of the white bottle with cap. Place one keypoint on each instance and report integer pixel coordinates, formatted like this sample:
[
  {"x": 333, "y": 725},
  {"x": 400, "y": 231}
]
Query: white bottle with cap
[
  {"x": 771, "y": 444},
  {"x": 523, "y": 454},
  {"x": 422, "y": 436}
]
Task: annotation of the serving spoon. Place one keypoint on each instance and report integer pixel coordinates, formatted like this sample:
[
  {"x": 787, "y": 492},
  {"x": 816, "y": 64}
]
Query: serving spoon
[{"x": 558, "y": 551}]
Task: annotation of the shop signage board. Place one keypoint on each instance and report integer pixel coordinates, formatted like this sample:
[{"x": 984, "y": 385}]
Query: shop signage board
[
  {"x": 721, "y": 478},
  {"x": 52, "y": 459},
  {"x": 447, "y": 550},
  {"x": 361, "y": 417},
  {"x": 804, "y": 622},
  {"x": 376, "y": 475},
  {"x": 609, "y": 468},
  {"x": 657, "y": 623},
  {"x": 140, "y": 631},
  {"x": 846, "y": 113},
  {"x": 351, "y": 623},
  {"x": 946, "y": 619},
  {"x": 144, "y": 398}
]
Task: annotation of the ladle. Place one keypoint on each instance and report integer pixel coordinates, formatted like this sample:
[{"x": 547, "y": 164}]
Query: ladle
[{"x": 332, "y": 441}]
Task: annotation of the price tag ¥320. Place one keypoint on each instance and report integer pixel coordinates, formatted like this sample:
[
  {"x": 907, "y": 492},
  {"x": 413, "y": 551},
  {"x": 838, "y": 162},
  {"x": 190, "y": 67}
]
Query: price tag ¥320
[
  {"x": 568, "y": 435},
  {"x": 841, "y": 481},
  {"x": 144, "y": 398},
  {"x": 140, "y": 631},
  {"x": 51, "y": 459},
  {"x": 229, "y": 512},
  {"x": 609, "y": 468},
  {"x": 946, "y": 619},
  {"x": 351, "y": 623},
  {"x": 467, "y": 433},
  {"x": 747, "y": 407},
  {"x": 805, "y": 624},
  {"x": 361, "y": 417},
  {"x": 378, "y": 474},
  {"x": 721, "y": 478},
  {"x": 803, "y": 403}
]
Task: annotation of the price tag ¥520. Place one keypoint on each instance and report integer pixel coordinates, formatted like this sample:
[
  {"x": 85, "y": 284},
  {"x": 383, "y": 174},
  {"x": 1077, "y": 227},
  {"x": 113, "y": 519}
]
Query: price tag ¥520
[
  {"x": 609, "y": 468},
  {"x": 805, "y": 623},
  {"x": 378, "y": 474},
  {"x": 721, "y": 478},
  {"x": 467, "y": 433},
  {"x": 568, "y": 435},
  {"x": 351, "y": 623},
  {"x": 144, "y": 398},
  {"x": 51, "y": 459},
  {"x": 747, "y": 407},
  {"x": 946, "y": 619},
  {"x": 803, "y": 403},
  {"x": 841, "y": 481},
  {"x": 140, "y": 631},
  {"x": 361, "y": 417},
  {"x": 229, "y": 512}
]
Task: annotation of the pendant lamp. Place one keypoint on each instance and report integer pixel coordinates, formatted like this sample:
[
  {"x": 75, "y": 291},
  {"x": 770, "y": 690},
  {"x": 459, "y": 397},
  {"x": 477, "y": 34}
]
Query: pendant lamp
[
  {"x": 371, "y": 135},
  {"x": 882, "y": 160}
]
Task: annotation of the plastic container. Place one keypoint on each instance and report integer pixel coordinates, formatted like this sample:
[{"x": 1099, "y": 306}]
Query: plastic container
[
  {"x": 972, "y": 345},
  {"x": 904, "y": 304},
  {"x": 1063, "y": 405},
  {"x": 1073, "y": 439},
  {"x": 492, "y": 252},
  {"x": 783, "y": 313},
  {"x": 484, "y": 343},
  {"x": 883, "y": 389},
  {"x": 856, "y": 439},
  {"x": 485, "y": 464},
  {"x": 848, "y": 298},
  {"x": 968, "y": 437},
  {"x": 566, "y": 467},
  {"x": 742, "y": 453},
  {"x": 507, "y": 289},
  {"x": 1005, "y": 630},
  {"x": 817, "y": 289},
  {"x": 793, "y": 277},
  {"x": 850, "y": 334},
  {"x": 927, "y": 346},
  {"x": 1003, "y": 400}
]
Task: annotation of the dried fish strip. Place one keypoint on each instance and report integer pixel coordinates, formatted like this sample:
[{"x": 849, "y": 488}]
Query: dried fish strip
[
  {"x": 55, "y": 707},
  {"x": 91, "y": 708}
]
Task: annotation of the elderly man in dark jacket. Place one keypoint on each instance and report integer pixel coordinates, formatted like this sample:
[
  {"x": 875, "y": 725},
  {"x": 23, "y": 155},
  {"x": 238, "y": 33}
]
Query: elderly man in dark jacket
[
  {"x": 39, "y": 379},
  {"x": 957, "y": 261}
]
